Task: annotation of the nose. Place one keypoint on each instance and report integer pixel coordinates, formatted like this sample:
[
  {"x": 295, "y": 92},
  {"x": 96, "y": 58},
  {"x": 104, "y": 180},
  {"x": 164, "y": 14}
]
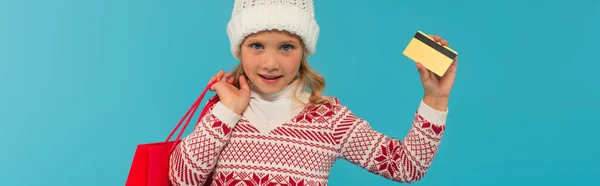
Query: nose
[{"x": 271, "y": 63}]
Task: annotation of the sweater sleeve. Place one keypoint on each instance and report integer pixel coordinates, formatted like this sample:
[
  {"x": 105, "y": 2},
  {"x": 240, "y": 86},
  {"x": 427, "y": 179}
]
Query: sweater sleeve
[
  {"x": 194, "y": 158},
  {"x": 405, "y": 160}
]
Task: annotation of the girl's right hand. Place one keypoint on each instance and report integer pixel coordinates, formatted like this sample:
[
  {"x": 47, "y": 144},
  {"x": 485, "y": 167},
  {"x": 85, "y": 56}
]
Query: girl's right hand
[{"x": 233, "y": 98}]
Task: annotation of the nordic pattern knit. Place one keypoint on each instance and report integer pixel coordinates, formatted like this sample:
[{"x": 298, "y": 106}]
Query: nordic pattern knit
[{"x": 303, "y": 150}]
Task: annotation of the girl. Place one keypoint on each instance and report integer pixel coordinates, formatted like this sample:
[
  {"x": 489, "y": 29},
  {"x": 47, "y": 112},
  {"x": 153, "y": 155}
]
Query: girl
[{"x": 273, "y": 126}]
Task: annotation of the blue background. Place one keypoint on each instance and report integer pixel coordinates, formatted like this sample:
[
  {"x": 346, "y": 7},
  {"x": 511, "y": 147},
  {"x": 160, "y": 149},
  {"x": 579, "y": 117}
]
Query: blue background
[{"x": 83, "y": 82}]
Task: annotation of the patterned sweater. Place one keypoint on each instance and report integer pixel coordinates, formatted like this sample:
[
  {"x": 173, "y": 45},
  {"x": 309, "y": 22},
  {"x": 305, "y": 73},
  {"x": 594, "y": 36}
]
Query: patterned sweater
[{"x": 225, "y": 149}]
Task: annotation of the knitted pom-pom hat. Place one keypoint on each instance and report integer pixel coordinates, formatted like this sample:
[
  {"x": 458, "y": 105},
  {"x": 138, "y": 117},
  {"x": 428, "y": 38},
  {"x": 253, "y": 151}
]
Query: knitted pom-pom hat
[{"x": 252, "y": 16}]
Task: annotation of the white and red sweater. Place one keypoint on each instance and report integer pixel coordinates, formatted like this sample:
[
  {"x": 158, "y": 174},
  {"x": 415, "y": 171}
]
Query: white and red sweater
[{"x": 272, "y": 150}]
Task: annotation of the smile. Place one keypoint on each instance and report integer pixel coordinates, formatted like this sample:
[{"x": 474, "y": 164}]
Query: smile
[{"x": 270, "y": 79}]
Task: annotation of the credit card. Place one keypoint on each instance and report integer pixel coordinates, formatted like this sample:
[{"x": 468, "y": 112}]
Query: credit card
[{"x": 431, "y": 55}]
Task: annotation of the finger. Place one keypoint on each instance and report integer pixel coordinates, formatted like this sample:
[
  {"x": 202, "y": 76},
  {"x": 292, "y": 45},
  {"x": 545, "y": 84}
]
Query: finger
[
  {"x": 218, "y": 86},
  {"x": 244, "y": 84},
  {"x": 455, "y": 62},
  {"x": 222, "y": 75},
  {"x": 214, "y": 87},
  {"x": 230, "y": 79},
  {"x": 227, "y": 76},
  {"x": 449, "y": 76},
  {"x": 451, "y": 72},
  {"x": 419, "y": 65},
  {"x": 219, "y": 75},
  {"x": 433, "y": 37},
  {"x": 444, "y": 42},
  {"x": 422, "y": 70},
  {"x": 452, "y": 68},
  {"x": 212, "y": 79}
]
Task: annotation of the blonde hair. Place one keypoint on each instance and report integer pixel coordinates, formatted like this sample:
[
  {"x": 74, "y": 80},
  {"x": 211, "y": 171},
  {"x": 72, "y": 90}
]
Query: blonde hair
[{"x": 311, "y": 79}]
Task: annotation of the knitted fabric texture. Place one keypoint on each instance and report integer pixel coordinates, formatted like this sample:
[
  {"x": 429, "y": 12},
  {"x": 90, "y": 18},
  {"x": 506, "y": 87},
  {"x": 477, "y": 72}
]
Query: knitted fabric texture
[
  {"x": 252, "y": 16},
  {"x": 226, "y": 149}
]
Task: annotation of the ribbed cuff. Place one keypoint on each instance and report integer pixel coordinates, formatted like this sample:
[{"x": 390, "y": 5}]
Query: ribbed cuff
[
  {"x": 225, "y": 114},
  {"x": 433, "y": 116}
]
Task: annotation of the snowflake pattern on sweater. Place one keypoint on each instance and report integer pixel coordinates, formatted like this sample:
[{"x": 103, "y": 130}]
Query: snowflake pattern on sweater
[{"x": 224, "y": 150}]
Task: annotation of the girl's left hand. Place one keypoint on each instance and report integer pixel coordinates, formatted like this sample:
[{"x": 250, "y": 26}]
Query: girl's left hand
[{"x": 437, "y": 89}]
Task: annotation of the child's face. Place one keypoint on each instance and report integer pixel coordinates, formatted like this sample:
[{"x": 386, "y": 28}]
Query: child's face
[{"x": 271, "y": 60}]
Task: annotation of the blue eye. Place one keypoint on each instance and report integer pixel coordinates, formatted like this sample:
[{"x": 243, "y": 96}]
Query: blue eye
[
  {"x": 287, "y": 47},
  {"x": 256, "y": 46}
]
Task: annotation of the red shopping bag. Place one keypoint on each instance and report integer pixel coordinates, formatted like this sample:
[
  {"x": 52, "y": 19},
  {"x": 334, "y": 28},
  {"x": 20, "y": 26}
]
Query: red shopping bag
[{"x": 150, "y": 165}]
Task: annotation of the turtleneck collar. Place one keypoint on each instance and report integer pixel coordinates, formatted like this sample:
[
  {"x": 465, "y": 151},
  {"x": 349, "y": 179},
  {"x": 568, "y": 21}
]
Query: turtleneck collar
[{"x": 285, "y": 93}]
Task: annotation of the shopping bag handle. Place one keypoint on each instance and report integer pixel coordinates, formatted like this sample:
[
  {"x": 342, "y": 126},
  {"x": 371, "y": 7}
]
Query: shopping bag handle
[{"x": 191, "y": 112}]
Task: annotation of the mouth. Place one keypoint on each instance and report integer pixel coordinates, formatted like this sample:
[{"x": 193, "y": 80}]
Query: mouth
[{"x": 269, "y": 77}]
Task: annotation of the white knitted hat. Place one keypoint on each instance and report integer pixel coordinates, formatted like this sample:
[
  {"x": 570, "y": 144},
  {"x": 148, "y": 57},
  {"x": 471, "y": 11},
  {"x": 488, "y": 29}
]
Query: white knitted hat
[{"x": 252, "y": 16}]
